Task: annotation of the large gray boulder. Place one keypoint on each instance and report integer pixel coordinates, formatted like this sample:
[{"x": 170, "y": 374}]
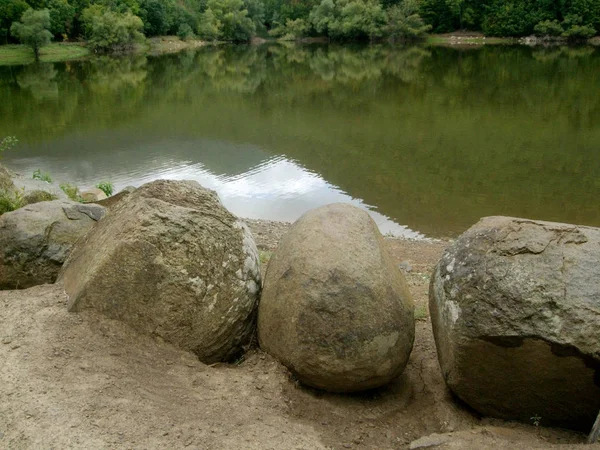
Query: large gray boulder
[
  {"x": 35, "y": 240},
  {"x": 515, "y": 309},
  {"x": 335, "y": 308},
  {"x": 171, "y": 261}
]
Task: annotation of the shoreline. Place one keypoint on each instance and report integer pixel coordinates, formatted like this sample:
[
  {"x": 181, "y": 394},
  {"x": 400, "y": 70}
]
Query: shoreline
[{"x": 19, "y": 54}]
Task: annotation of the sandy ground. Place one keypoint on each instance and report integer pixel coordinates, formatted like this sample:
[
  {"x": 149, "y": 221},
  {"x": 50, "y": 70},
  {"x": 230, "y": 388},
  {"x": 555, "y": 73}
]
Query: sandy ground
[{"x": 84, "y": 381}]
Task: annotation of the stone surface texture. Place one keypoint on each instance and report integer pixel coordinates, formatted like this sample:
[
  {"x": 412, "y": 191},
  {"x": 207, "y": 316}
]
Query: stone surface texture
[
  {"x": 515, "y": 309},
  {"x": 171, "y": 261},
  {"x": 35, "y": 240},
  {"x": 335, "y": 308}
]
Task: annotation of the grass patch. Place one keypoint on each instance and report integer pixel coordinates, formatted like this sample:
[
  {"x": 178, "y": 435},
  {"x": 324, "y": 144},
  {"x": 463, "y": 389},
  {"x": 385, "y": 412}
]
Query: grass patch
[
  {"x": 72, "y": 192},
  {"x": 421, "y": 312},
  {"x": 22, "y": 54},
  {"x": 10, "y": 201},
  {"x": 107, "y": 187},
  {"x": 42, "y": 176}
]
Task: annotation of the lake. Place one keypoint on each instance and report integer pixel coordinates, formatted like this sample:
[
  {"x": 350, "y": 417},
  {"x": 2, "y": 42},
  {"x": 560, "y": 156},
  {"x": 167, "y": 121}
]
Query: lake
[{"x": 429, "y": 139}]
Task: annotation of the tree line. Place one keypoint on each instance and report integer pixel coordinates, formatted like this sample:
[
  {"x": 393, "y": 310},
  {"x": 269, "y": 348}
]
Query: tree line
[{"x": 115, "y": 24}]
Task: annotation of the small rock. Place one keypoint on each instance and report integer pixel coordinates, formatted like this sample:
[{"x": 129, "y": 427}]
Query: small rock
[
  {"x": 93, "y": 195},
  {"x": 405, "y": 265},
  {"x": 433, "y": 440}
]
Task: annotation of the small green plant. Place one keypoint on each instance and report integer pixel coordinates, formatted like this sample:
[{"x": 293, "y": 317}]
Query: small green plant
[
  {"x": 535, "y": 420},
  {"x": 7, "y": 143},
  {"x": 421, "y": 312},
  {"x": 107, "y": 187},
  {"x": 265, "y": 256},
  {"x": 43, "y": 176},
  {"x": 11, "y": 201},
  {"x": 72, "y": 191}
]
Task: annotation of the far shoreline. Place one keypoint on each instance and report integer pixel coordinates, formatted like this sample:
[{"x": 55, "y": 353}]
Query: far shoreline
[{"x": 20, "y": 54}]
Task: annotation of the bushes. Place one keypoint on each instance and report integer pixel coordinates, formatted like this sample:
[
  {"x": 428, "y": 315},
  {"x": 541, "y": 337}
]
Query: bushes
[
  {"x": 107, "y": 187},
  {"x": 349, "y": 19},
  {"x": 72, "y": 191},
  {"x": 404, "y": 22},
  {"x": 229, "y": 19},
  {"x": 111, "y": 31},
  {"x": 7, "y": 143},
  {"x": 292, "y": 30},
  {"x": 571, "y": 28}
]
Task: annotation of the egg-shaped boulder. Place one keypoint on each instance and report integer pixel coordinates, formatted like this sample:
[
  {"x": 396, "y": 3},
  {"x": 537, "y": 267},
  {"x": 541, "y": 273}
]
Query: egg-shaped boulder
[
  {"x": 171, "y": 261},
  {"x": 335, "y": 309}
]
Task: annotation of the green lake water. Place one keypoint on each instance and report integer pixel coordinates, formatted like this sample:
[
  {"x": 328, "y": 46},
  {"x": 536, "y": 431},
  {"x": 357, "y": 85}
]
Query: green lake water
[{"x": 429, "y": 139}]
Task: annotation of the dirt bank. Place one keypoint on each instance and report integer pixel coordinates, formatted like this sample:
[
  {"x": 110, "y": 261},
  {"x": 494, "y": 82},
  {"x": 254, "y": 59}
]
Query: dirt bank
[{"x": 84, "y": 381}]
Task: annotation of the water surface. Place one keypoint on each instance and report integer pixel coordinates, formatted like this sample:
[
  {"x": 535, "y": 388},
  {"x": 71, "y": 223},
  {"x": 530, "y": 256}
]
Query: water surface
[{"x": 428, "y": 139}]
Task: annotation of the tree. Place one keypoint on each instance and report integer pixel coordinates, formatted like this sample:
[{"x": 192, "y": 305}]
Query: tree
[
  {"x": 232, "y": 20},
  {"x": 111, "y": 31},
  {"x": 210, "y": 27},
  {"x": 33, "y": 30},
  {"x": 156, "y": 17},
  {"x": 349, "y": 19},
  {"x": 404, "y": 22},
  {"x": 10, "y": 11},
  {"x": 292, "y": 30}
]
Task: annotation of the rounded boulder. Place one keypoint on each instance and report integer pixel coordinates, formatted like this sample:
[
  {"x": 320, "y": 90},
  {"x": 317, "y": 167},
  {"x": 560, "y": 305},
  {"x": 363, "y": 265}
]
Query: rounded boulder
[
  {"x": 335, "y": 309},
  {"x": 36, "y": 240},
  {"x": 171, "y": 261},
  {"x": 515, "y": 310}
]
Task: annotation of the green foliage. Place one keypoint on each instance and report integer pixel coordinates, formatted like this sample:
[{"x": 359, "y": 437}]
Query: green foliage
[
  {"x": 10, "y": 11},
  {"x": 265, "y": 256},
  {"x": 107, "y": 187},
  {"x": 185, "y": 32},
  {"x": 349, "y": 19},
  {"x": 156, "y": 17},
  {"x": 292, "y": 30},
  {"x": 7, "y": 143},
  {"x": 11, "y": 201},
  {"x": 42, "y": 176},
  {"x": 111, "y": 25},
  {"x": 256, "y": 12},
  {"x": 33, "y": 30},
  {"x": 72, "y": 191},
  {"x": 438, "y": 14},
  {"x": 210, "y": 27},
  {"x": 61, "y": 17},
  {"x": 230, "y": 19},
  {"x": 109, "y": 31},
  {"x": 404, "y": 22},
  {"x": 571, "y": 28},
  {"x": 548, "y": 28},
  {"x": 576, "y": 29}
]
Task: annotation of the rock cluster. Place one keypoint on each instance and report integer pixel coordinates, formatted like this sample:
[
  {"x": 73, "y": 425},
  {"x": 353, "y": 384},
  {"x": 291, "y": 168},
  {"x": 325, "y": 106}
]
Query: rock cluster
[
  {"x": 515, "y": 309},
  {"x": 335, "y": 308}
]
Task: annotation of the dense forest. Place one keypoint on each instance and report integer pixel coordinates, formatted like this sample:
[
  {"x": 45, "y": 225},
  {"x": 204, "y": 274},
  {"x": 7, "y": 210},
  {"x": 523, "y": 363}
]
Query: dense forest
[{"x": 107, "y": 24}]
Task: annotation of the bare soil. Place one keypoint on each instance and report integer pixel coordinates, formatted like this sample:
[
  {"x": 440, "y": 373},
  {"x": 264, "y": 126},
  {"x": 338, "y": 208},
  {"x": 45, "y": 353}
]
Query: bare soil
[{"x": 84, "y": 381}]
